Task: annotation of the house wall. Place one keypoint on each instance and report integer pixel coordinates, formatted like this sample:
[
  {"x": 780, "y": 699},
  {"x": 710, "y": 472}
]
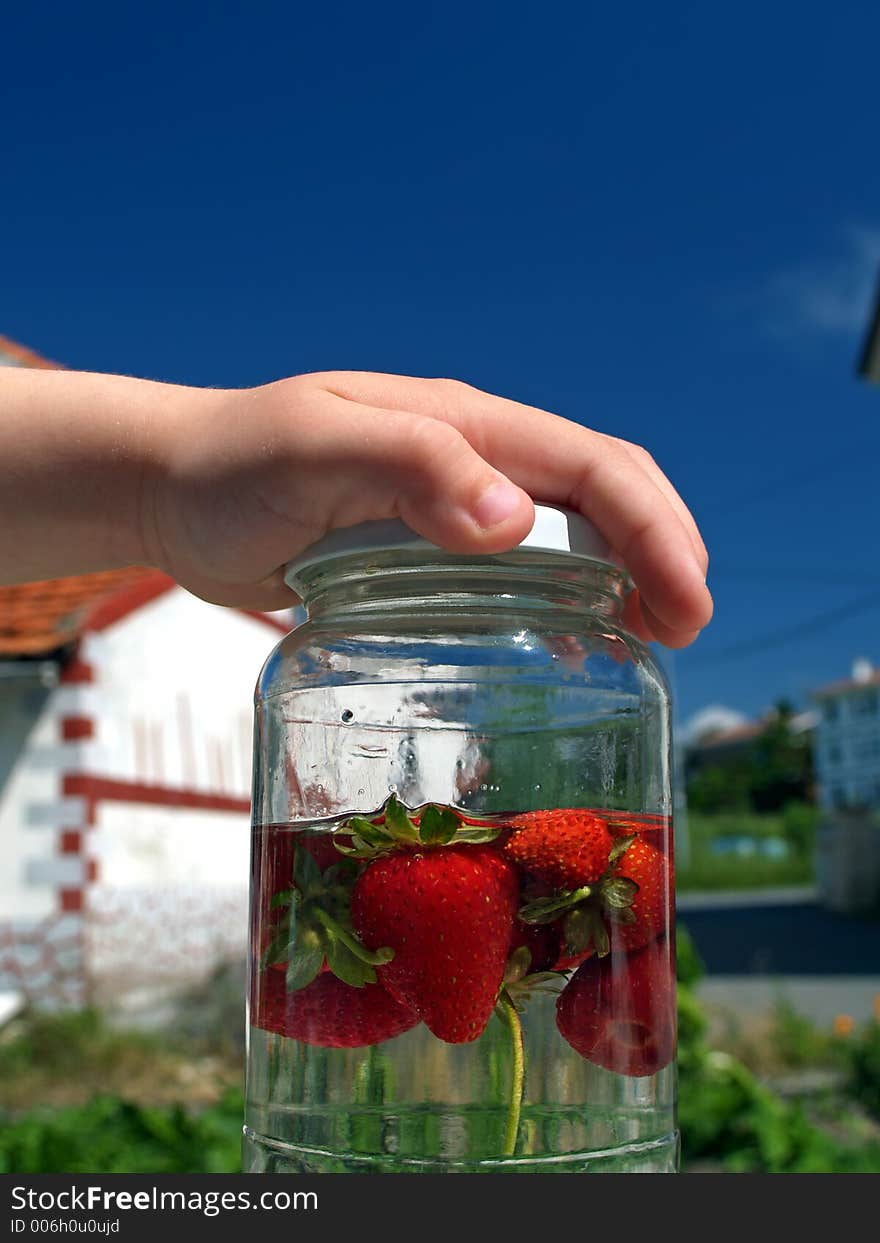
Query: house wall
[
  {"x": 173, "y": 705},
  {"x": 41, "y": 948},
  {"x": 847, "y": 749},
  {"x": 170, "y": 903},
  {"x": 99, "y": 895},
  {"x": 28, "y": 723}
]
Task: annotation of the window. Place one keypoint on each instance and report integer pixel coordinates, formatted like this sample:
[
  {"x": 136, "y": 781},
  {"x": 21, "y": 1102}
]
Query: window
[
  {"x": 838, "y": 796},
  {"x": 831, "y": 709},
  {"x": 867, "y": 749},
  {"x": 865, "y": 704},
  {"x": 834, "y": 754}
]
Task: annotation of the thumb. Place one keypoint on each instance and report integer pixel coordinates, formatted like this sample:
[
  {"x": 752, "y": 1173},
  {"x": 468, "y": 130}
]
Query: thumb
[{"x": 447, "y": 493}]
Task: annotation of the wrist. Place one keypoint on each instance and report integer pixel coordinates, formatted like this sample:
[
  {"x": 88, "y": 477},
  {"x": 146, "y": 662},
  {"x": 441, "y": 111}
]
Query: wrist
[{"x": 82, "y": 454}]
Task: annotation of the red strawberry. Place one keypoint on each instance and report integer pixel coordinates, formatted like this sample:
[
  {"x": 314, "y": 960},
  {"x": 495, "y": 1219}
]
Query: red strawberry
[
  {"x": 650, "y": 868},
  {"x": 329, "y": 1013},
  {"x": 567, "y": 848},
  {"x": 448, "y": 915},
  {"x": 542, "y": 941},
  {"x": 619, "y": 1012}
]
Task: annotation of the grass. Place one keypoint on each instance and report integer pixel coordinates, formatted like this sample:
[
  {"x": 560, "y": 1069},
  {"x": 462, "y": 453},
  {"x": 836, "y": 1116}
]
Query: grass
[{"x": 707, "y": 870}]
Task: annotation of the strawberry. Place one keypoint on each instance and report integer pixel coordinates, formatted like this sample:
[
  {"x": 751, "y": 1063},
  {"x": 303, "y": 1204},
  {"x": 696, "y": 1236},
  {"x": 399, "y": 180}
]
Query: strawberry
[
  {"x": 622, "y": 910},
  {"x": 619, "y": 1012},
  {"x": 447, "y": 913},
  {"x": 646, "y": 865},
  {"x": 566, "y": 848},
  {"x": 542, "y": 942},
  {"x": 328, "y": 1012}
]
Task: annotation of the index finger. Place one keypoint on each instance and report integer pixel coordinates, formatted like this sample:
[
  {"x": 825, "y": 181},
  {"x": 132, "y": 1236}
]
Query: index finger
[{"x": 561, "y": 462}]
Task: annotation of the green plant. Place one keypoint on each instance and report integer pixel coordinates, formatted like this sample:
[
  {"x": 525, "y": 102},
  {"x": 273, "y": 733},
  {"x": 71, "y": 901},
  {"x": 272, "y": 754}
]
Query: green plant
[
  {"x": 800, "y": 823},
  {"x": 862, "y": 1058},
  {"x": 114, "y": 1136}
]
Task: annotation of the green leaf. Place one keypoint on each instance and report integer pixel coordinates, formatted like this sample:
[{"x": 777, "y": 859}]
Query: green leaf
[
  {"x": 578, "y": 930},
  {"x": 548, "y": 910},
  {"x": 374, "y": 834},
  {"x": 619, "y": 891},
  {"x": 345, "y": 966},
  {"x": 305, "y": 870},
  {"x": 620, "y": 847},
  {"x": 339, "y": 874},
  {"x": 600, "y": 936},
  {"x": 358, "y": 849},
  {"x": 277, "y": 949},
  {"x": 438, "y": 825},
  {"x": 476, "y": 837},
  {"x": 305, "y": 962},
  {"x": 622, "y": 915},
  {"x": 397, "y": 822},
  {"x": 340, "y": 930},
  {"x": 284, "y": 897}
]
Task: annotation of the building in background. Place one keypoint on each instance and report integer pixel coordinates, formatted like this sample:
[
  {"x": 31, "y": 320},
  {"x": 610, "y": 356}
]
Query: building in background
[
  {"x": 733, "y": 764},
  {"x": 847, "y": 740},
  {"x": 125, "y": 770}
]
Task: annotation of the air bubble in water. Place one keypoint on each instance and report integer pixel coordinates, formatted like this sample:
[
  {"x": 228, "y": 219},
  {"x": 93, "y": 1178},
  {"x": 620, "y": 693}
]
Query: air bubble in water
[
  {"x": 360, "y": 793},
  {"x": 347, "y": 715},
  {"x": 538, "y": 786},
  {"x": 483, "y": 786}
]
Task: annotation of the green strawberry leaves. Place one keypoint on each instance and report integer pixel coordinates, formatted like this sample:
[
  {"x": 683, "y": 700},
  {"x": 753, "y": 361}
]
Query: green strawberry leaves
[
  {"x": 316, "y": 926},
  {"x": 438, "y": 826},
  {"x": 583, "y": 911},
  {"x": 618, "y": 892},
  {"x": 397, "y": 825},
  {"x": 305, "y": 964},
  {"x": 548, "y": 910}
]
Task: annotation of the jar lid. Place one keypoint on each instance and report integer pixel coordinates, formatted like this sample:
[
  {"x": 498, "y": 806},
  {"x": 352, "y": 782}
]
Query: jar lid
[{"x": 555, "y": 530}]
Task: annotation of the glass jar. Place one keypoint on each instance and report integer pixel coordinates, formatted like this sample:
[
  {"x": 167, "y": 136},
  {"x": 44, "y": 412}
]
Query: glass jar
[{"x": 462, "y": 944}]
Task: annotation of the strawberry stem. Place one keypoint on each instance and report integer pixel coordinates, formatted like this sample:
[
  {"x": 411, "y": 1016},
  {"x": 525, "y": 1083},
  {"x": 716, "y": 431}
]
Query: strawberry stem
[
  {"x": 508, "y": 1012},
  {"x": 360, "y": 951}
]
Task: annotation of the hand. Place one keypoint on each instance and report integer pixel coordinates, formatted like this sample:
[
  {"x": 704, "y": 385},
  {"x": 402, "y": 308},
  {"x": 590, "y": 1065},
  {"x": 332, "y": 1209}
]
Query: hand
[{"x": 244, "y": 481}]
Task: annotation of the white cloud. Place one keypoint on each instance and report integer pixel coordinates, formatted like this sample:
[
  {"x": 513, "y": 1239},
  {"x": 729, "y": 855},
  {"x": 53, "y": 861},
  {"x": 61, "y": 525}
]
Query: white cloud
[
  {"x": 832, "y": 295},
  {"x": 713, "y": 719}
]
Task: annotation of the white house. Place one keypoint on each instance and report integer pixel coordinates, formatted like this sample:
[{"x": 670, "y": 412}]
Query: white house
[
  {"x": 847, "y": 740},
  {"x": 125, "y": 770}
]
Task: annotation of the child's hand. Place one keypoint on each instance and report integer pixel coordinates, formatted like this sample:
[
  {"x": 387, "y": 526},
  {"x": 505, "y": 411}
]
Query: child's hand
[{"x": 242, "y": 481}]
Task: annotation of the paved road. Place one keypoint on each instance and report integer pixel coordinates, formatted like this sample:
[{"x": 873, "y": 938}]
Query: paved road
[
  {"x": 763, "y": 946},
  {"x": 749, "y": 937}
]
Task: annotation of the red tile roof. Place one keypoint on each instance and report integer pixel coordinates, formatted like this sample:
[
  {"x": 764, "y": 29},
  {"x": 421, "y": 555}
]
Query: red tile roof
[
  {"x": 37, "y": 618},
  {"x": 728, "y": 737},
  {"x": 25, "y": 357},
  {"x": 847, "y": 684}
]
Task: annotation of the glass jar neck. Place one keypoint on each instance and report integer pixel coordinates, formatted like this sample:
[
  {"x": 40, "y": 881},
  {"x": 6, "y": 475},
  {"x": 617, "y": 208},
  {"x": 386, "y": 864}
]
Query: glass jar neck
[{"x": 406, "y": 581}]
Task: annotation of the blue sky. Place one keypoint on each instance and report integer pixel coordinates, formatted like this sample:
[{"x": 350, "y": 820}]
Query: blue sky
[{"x": 662, "y": 221}]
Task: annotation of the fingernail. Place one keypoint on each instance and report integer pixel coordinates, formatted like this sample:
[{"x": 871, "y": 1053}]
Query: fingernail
[{"x": 498, "y": 503}]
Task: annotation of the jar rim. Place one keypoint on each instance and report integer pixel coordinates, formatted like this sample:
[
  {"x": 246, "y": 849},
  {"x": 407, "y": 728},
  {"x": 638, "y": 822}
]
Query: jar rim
[{"x": 555, "y": 530}]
